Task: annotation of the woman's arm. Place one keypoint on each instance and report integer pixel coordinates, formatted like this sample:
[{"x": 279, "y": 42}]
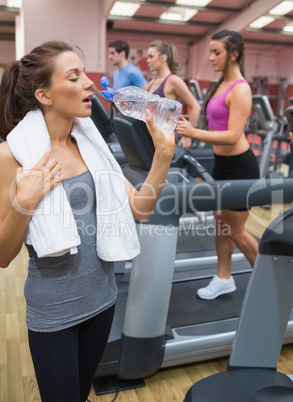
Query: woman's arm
[
  {"x": 142, "y": 202},
  {"x": 239, "y": 103},
  {"x": 19, "y": 195},
  {"x": 182, "y": 91}
]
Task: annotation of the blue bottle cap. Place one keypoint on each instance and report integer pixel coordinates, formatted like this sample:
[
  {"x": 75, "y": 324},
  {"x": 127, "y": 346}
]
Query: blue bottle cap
[
  {"x": 109, "y": 92},
  {"x": 104, "y": 82}
]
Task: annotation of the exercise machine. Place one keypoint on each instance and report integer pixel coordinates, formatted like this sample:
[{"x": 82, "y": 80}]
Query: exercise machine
[
  {"x": 271, "y": 131},
  {"x": 196, "y": 91},
  {"x": 138, "y": 148},
  {"x": 266, "y": 131},
  {"x": 252, "y": 375},
  {"x": 252, "y": 370},
  {"x": 159, "y": 322},
  {"x": 105, "y": 126}
]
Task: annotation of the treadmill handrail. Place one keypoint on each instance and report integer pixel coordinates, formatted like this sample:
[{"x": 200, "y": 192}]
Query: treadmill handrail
[
  {"x": 191, "y": 196},
  {"x": 265, "y": 124}
]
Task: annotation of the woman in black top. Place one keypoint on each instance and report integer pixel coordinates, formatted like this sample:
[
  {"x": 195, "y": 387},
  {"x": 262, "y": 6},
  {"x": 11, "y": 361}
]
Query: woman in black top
[{"x": 162, "y": 59}]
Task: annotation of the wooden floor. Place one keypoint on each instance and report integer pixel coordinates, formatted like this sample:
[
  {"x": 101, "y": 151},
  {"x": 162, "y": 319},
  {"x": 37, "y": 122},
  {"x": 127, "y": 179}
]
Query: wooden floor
[{"x": 17, "y": 379}]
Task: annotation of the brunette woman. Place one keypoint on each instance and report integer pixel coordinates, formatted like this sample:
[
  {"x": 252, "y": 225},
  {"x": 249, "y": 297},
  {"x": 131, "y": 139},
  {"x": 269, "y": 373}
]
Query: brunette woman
[
  {"x": 64, "y": 195},
  {"x": 162, "y": 59},
  {"x": 228, "y": 108}
]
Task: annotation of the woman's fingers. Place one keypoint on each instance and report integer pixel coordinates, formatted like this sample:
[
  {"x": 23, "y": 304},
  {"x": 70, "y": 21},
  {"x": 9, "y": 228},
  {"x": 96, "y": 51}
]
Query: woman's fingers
[
  {"x": 150, "y": 121},
  {"x": 50, "y": 169},
  {"x": 184, "y": 127},
  {"x": 52, "y": 174},
  {"x": 43, "y": 161},
  {"x": 46, "y": 164},
  {"x": 55, "y": 171},
  {"x": 35, "y": 184},
  {"x": 154, "y": 130},
  {"x": 159, "y": 136}
]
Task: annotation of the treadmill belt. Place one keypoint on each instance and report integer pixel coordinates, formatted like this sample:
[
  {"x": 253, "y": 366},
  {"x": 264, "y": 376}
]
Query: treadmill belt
[{"x": 186, "y": 308}]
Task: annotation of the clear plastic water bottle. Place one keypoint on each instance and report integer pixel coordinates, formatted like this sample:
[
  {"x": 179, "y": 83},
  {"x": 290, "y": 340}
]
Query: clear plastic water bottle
[{"x": 133, "y": 102}]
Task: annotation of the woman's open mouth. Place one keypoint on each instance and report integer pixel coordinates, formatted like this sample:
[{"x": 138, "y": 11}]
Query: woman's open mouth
[{"x": 88, "y": 99}]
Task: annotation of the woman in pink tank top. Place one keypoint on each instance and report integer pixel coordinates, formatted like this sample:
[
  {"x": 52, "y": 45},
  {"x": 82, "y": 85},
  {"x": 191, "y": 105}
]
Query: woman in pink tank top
[{"x": 228, "y": 107}]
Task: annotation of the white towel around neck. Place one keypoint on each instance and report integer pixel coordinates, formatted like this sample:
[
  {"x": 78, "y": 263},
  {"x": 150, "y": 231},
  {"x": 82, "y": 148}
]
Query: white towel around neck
[{"x": 52, "y": 229}]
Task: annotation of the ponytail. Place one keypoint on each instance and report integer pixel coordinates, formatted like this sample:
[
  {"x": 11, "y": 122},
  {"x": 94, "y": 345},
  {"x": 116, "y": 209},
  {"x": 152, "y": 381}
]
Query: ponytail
[
  {"x": 9, "y": 102},
  {"x": 173, "y": 65},
  {"x": 211, "y": 93}
]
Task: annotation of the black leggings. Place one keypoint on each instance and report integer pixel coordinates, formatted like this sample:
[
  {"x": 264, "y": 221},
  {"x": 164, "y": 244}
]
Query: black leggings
[{"x": 65, "y": 361}]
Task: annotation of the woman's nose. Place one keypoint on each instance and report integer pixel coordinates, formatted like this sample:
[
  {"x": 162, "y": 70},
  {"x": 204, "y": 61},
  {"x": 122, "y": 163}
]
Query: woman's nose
[{"x": 89, "y": 83}]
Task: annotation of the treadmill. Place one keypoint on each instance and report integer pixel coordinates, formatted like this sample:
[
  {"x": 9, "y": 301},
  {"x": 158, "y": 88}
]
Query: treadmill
[
  {"x": 159, "y": 321},
  {"x": 105, "y": 126},
  {"x": 251, "y": 374}
]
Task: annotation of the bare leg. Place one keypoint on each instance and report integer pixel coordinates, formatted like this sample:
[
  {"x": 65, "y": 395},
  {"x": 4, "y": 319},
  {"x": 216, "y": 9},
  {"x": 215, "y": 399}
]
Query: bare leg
[
  {"x": 246, "y": 243},
  {"x": 224, "y": 245},
  {"x": 230, "y": 230}
]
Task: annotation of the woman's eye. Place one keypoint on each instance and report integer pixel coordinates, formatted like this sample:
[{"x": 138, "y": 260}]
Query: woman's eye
[{"x": 73, "y": 79}]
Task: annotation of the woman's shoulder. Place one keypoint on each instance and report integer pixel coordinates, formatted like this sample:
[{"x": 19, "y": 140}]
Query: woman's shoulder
[
  {"x": 240, "y": 96},
  {"x": 8, "y": 166},
  {"x": 241, "y": 88},
  {"x": 174, "y": 78},
  {"x": 175, "y": 81},
  {"x": 4, "y": 150},
  {"x": 6, "y": 157},
  {"x": 241, "y": 83}
]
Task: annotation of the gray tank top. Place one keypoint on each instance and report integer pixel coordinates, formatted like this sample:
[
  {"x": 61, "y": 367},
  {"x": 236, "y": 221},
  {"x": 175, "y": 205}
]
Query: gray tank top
[{"x": 63, "y": 291}]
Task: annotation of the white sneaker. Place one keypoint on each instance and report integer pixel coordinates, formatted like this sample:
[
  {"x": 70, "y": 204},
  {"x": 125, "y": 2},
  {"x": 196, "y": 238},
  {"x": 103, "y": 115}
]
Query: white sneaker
[{"x": 217, "y": 286}]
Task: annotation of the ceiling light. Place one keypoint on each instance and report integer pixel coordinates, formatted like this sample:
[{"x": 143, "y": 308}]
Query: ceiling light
[
  {"x": 124, "y": 9},
  {"x": 178, "y": 14},
  {"x": 196, "y": 3},
  {"x": 288, "y": 27},
  {"x": 283, "y": 8},
  {"x": 261, "y": 22},
  {"x": 13, "y": 3}
]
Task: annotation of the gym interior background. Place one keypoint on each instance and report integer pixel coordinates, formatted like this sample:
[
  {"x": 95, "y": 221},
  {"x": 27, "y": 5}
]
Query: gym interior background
[{"x": 90, "y": 25}]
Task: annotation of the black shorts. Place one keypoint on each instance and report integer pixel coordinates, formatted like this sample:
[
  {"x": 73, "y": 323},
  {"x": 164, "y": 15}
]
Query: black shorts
[{"x": 236, "y": 167}]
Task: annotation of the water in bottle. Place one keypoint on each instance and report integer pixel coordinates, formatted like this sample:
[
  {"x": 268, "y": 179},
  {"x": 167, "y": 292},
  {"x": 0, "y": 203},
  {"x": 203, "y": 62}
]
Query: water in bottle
[{"x": 133, "y": 102}]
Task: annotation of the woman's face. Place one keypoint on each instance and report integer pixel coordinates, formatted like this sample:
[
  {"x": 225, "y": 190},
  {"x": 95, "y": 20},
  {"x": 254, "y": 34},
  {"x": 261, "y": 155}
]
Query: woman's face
[
  {"x": 71, "y": 90},
  {"x": 218, "y": 55},
  {"x": 154, "y": 59}
]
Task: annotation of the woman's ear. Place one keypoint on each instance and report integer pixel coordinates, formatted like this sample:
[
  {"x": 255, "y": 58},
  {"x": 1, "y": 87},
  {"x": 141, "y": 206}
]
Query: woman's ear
[
  {"x": 234, "y": 55},
  {"x": 164, "y": 58},
  {"x": 42, "y": 97}
]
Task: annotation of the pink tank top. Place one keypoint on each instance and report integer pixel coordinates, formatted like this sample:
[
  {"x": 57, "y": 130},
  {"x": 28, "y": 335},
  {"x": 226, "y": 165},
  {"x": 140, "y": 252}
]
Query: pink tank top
[{"x": 218, "y": 112}]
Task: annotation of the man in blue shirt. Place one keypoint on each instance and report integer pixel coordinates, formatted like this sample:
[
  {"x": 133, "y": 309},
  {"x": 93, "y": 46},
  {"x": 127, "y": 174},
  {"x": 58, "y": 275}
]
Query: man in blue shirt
[{"x": 126, "y": 73}]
